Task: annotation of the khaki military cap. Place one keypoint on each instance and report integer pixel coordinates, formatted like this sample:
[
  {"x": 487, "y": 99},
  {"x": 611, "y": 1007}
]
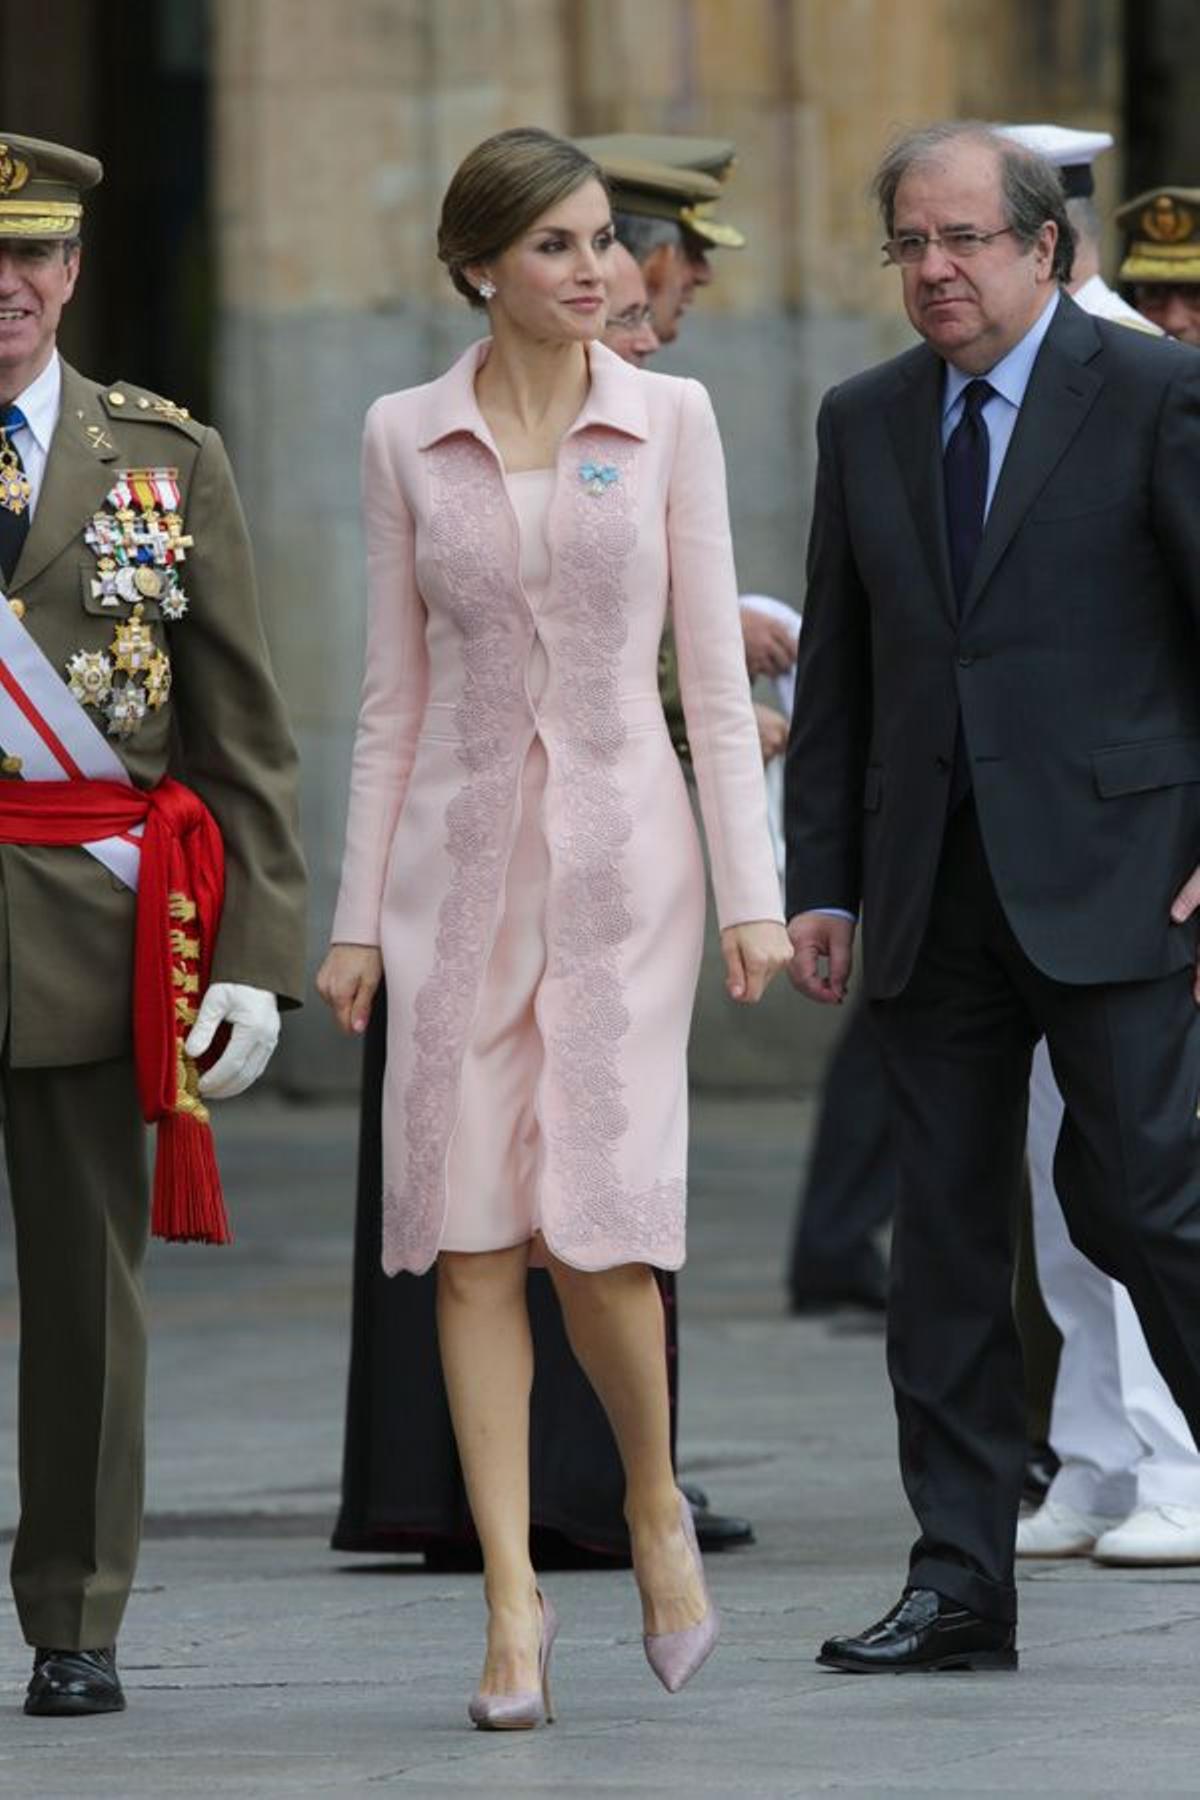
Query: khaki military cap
[
  {"x": 680, "y": 184},
  {"x": 711, "y": 156},
  {"x": 41, "y": 187},
  {"x": 1163, "y": 228}
]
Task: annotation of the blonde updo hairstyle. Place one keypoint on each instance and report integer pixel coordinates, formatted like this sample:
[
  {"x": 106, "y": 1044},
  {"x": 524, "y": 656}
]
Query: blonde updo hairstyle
[{"x": 497, "y": 192}]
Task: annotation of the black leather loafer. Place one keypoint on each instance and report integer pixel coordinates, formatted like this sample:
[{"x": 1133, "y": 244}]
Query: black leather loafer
[
  {"x": 67, "y": 1683},
  {"x": 721, "y": 1531},
  {"x": 925, "y": 1631},
  {"x": 695, "y": 1495}
]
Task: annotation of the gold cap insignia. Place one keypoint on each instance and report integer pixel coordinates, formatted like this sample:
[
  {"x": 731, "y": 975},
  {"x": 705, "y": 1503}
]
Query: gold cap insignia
[
  {"x": 14, "y": 171},
  {"x": 1166, "y": 221}
]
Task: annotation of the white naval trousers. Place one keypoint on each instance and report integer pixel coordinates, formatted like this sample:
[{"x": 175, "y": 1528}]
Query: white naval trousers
[{"x": 1121, "y": 1438}]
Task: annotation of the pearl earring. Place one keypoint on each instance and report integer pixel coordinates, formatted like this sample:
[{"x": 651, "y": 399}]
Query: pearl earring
[{"x": 487, "y": 289}]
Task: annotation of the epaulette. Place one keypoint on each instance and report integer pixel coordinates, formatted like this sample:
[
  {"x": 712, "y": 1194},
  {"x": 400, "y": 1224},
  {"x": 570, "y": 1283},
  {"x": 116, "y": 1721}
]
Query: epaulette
[
  {"x": 125, "y": 401},
  {"x": 1145, "y": 326}
]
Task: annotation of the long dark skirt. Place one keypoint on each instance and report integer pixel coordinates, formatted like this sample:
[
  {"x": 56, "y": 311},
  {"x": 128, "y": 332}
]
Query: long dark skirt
[{"x": 402, "y": 1487}]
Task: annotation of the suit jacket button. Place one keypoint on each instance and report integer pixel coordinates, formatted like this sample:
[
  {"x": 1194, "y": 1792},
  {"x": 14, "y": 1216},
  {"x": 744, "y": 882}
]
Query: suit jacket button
[
  {"x": 17, "y": 608},
  {"x": 942, "y": 762},
  {"x": 965, "y": 661},
  {"x": 11, "y": 765}
]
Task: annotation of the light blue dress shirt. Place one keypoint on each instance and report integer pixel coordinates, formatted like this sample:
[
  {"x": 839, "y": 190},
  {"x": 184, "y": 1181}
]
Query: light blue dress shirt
[{"x": 1009, "y": 379}]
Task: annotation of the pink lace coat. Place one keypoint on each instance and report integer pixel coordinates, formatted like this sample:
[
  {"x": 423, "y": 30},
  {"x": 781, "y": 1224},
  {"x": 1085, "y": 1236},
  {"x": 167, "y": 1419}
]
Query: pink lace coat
[{"x": 639, "y": 510}]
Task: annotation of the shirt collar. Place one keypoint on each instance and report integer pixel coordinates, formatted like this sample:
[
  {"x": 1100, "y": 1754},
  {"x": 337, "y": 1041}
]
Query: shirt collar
[
  {"x": 40, "y": 402},
  {"x": 1010, "y": 376},
  {"x": 615, "y": 398}
]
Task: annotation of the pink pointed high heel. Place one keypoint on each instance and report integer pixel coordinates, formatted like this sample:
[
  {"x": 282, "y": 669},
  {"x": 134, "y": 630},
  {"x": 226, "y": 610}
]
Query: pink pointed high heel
[
  {"x": 675, "y": 1656},
  {"x": 521, "y": 1712}
]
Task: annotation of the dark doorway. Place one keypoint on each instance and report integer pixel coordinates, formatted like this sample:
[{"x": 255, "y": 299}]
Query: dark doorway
[
  {"x": 130, "y": 83},
  {"x": 1162, "y": 94}
]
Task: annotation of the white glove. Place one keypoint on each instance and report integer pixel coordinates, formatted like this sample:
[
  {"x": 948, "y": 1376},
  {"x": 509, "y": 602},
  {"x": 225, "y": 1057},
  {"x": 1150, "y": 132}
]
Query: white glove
[{"x": 254, "y": 1016}]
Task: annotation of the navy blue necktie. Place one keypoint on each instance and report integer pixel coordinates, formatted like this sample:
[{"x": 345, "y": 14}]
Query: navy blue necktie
[
  {"x": 14, "y": 524},
  {"x": 966, "y": 480}
]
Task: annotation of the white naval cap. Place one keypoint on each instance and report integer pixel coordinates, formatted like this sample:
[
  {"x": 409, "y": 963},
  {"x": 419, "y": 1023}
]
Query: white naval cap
[{"x": 1071, "y": 152}]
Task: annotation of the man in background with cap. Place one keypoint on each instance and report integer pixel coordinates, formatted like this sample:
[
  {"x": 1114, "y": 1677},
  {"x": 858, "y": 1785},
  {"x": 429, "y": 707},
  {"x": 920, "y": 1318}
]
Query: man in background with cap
[
  {"x": 663, "y": 188},
  {"x": 133, "y": 662},
  {"x": 1127, "y": 1489},
  {"x": 629, "y": 321},
  {"x": 1161, "y": 270}
]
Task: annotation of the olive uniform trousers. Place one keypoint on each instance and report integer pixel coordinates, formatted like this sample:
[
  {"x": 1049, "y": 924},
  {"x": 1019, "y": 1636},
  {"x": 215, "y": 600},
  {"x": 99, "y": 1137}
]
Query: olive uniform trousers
[{"x": 75, "y": 1151}]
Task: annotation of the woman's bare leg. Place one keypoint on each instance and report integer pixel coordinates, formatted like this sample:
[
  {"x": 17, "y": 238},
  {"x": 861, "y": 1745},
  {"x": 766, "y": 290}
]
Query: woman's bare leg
[
  {"x": 614, "y": 1320},
  {"x": 487, "y": 1360}
]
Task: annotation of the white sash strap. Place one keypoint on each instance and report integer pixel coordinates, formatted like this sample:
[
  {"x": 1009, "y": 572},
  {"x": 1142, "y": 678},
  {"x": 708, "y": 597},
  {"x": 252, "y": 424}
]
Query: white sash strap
[{"x": 43, "y": 724}]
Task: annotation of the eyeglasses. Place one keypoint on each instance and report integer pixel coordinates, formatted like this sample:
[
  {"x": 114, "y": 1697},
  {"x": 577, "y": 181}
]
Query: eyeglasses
[
  {"x": 958, "y": 244},
  {"x": 632, "y": 319}
]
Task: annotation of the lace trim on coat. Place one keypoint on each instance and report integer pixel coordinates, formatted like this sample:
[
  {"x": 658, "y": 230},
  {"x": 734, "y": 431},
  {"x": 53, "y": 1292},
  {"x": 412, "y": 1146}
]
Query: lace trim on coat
[
  {"x": 588, "y": 916},
  {"x": 466, "y": 495}
]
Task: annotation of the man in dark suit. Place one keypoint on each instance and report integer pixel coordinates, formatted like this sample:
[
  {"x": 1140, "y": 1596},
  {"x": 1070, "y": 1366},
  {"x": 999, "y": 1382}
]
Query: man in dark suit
[{"x": 995, "y": 758}]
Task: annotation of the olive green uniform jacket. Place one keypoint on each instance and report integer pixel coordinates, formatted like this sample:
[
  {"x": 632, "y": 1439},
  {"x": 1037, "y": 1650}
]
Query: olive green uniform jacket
[{"x": 65, "y": 979}]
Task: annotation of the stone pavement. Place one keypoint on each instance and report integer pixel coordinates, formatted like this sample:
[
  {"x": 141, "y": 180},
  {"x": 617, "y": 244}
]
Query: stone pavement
[{"x": 259, "y": 1663}]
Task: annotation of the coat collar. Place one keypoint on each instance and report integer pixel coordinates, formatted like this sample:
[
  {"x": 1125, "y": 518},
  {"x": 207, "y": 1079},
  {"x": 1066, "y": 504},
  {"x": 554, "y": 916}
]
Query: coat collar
[
  {"x": 78, "y": 476},
  {"x": 1061, "y": 389},
  {"x": 616, "y": 398}
]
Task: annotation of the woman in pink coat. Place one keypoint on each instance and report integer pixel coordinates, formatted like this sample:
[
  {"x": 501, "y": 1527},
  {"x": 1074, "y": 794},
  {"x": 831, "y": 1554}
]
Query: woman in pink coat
[{"x": 521, "y": 860}]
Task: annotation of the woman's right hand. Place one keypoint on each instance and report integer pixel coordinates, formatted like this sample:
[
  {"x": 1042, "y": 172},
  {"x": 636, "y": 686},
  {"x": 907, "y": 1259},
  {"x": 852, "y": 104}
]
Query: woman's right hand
[{"x": 347, "y": 981}]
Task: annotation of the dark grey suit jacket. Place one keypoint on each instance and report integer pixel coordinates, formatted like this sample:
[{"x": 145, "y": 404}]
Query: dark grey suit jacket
[{"x": 1074, "y": 667}]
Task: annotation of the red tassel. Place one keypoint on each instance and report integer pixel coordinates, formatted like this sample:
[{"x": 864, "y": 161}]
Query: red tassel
[{"x": 189, "y": 1207}]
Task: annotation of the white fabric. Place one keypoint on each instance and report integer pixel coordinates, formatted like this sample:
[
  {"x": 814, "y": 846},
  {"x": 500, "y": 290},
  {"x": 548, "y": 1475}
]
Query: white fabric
[
  {"x": 1062, "y": 145},
  {"x": 785, "y": 684},
  {"x": 1096, "y": 297},
  {"x": 254, "y": 1016},
  {"x": 40, "y": 402},
  {"x": 1122, "y": 1440},
  {"x": 785, "y": 689},
  {"x": 56, "y": 714}
]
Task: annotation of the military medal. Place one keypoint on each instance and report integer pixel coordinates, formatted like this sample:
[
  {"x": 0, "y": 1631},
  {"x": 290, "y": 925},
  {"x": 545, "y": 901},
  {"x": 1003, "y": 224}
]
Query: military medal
[
  {"x": 133, "y": 644},
  {"x": 89, "y": 677},
  {"x": 140, "y": 543},
  {"x": 15, "y": 488},
  {"x": 125, "y": 681}
]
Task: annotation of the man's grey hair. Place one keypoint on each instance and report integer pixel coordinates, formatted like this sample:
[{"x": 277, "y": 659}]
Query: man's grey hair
[
  {"x": 1031, "y": 186},
  {"x": 641, "y": 236},
  {"x": 1085, "y": 219}
]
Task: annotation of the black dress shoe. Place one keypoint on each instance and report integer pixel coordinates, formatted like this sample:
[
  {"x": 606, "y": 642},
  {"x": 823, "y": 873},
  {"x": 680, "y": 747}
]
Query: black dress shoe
[
  {"x": 721, "y": 1531},
  {"x": 924, "y": 1632},
  {"x": 71, "y": 1682},
  {"x": 695, "y": 1495}
]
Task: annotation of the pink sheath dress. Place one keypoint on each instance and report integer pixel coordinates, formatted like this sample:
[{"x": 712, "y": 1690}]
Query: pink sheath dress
[
  {"x": 520, "y": 842},
  {"x": 493, "y": 1165}
]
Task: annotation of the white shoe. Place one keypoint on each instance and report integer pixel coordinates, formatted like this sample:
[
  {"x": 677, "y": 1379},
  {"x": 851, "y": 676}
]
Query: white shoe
[
  {"x": 1058, "y": 1530},
  {"x": 1153, "y": 1535}
]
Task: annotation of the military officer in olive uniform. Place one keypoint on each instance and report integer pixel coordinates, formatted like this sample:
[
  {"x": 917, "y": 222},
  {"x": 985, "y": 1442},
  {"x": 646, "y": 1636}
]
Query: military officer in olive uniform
[
  {"x": 1160, "y": 272},
  {"x": 126, "y": 567}
]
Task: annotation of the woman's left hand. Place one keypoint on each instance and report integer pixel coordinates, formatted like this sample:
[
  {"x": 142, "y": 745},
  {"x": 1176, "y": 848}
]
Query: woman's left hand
[{"x": 754, "y": 954}]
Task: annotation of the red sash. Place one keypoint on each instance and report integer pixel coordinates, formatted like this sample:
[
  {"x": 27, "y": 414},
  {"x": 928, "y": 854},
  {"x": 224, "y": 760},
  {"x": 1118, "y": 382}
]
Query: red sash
[{"x": 180, "y": 891}]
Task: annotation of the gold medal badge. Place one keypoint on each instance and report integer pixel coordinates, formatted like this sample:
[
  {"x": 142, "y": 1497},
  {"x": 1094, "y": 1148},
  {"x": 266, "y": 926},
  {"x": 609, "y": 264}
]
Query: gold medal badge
[{"x": 15, "y": 489}]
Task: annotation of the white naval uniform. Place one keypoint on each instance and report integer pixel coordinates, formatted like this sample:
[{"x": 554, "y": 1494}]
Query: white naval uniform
[{"x": 1121, "y": 1438}]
